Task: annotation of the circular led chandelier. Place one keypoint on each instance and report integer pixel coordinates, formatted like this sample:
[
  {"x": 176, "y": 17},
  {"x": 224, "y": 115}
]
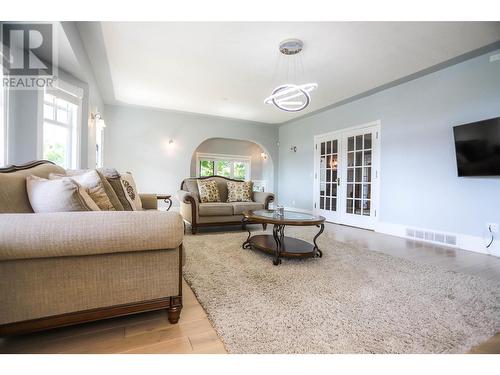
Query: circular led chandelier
[{"x": 291, "y": 97}]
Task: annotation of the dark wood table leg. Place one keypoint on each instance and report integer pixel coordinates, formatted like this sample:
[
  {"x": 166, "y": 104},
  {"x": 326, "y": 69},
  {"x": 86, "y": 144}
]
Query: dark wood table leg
[
  {"x": 319, "y": 253},
  {"x": 279, "y": 238},
  {"x": 246, "y": 244}
]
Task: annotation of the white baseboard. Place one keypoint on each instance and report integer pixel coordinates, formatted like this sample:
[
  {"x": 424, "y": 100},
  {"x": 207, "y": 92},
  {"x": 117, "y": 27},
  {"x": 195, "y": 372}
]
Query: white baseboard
[{"x": 465, "y": 242}]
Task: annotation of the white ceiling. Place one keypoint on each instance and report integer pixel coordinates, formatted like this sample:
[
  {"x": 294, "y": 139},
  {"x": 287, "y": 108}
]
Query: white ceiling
[{"x": 227, "y": 69}]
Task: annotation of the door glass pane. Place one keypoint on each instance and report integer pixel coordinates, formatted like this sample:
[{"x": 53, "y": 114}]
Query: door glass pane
[
  {"x": 350, "y": 144},
  {"x": 322, "y": 148},
  {"x": 322, "y": 203},
  {"x": 350, "y": 159},
  {"x": 359, "y": 173},
  {"x": 223, "y": 168},
  {"x": 328, "y": 189},
  {"x": 55, "y": 144},
  {"x": 368, "y": 158},
  {"x": 239, "y": 170},
  {"x": 368, "y": 141},
  {"x": 366, "y": 191},
  {"x": 322, "y": 162},
  {"x": 349, "y": 206},
  {"x": 357, "y": 191},
  {"x": 334, "y": 190},
  {"x": 328, "y": 175},
  {"x": 367, "y": 176},
  {"x": 329, "y": 147},
  {"x": 333, "y": 205},
  {"x": 334, "y": 176},
  {"x": 327, "y": 204},
  {"x": 366, "y": 208},
  {"x": 350, "y": 191},
  {"x": 357, "y": 206},
  {"x": 359, "y": 142},
  {"x": 206, "y": 168},
  {"x": 333, "y": 162},
  {"x": 350, "y": 175},
  {"x": 322, "y": 188},
  {"x": 359, "y": 158},
  {"x": 322, "y": 175},
  {"x": 334, "y": 147}
]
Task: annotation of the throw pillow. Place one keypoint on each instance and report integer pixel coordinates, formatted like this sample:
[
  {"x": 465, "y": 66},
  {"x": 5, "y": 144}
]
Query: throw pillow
[
  {"x": 208, "y": 191},
  {"x": 239, "y": 191},
  {"x": 114, "y": 179},
  {"x": 60, "y": 195},
  {"x": 130, "y": 191},
  {"x": 91, "y": 181}
]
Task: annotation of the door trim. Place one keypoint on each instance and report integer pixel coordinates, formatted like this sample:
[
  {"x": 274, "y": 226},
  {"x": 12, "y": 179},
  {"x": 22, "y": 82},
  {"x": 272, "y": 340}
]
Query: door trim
[{"x": 377, "y": 124}]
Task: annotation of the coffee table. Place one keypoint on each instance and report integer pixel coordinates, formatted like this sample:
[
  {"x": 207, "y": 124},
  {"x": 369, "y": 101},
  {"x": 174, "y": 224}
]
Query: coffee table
[{"x": 278, "y": 244}]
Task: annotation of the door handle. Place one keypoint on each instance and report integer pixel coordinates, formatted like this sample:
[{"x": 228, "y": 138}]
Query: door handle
[{"x": 338, "y": 181}]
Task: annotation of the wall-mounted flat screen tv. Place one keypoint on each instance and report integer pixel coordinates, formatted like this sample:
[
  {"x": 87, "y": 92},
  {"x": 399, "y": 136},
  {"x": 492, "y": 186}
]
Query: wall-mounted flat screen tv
[{"x": 477, "y": 147}]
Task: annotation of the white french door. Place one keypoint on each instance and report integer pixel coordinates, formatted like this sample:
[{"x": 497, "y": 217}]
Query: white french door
[{"x": 346, "y": 175}]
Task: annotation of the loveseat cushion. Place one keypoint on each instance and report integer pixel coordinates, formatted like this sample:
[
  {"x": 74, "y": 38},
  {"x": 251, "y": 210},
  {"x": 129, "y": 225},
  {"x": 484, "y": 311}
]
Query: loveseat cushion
[
  {"x": 216, "y": 209},
  {"x": 239, "y": 207}
]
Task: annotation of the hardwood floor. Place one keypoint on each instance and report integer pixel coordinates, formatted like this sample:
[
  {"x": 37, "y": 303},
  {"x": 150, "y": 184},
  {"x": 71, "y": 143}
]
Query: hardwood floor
[
  {"x": 152, "y": 333},
  {"x": 136, "y": 334}
]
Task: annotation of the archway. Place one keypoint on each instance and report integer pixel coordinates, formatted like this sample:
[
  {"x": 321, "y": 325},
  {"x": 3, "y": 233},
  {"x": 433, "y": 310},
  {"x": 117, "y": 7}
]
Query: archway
[{"x": 236, "y": 158}]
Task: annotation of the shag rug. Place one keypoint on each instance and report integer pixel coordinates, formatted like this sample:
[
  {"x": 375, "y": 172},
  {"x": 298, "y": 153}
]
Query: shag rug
[{"x": 350, "y": 301}]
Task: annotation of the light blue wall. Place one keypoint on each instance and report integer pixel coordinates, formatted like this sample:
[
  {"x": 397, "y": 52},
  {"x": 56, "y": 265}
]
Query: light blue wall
[
  {"x": 419, "y": 184},
  {"x": 136, "y": 140}
]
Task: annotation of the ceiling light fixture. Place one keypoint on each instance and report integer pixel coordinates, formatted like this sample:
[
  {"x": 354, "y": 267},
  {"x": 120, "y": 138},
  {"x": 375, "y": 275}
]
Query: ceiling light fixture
[{"x": 282, "y": 95}]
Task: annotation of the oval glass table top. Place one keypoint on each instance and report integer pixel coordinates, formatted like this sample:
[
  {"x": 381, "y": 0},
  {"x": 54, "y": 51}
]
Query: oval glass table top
[{"x": 288, "y": 218}]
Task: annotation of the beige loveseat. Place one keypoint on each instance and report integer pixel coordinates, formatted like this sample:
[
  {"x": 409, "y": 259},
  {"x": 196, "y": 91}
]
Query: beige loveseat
[
  {"x": 64, "y": 268},
  {"x": 199, "y": 214}
]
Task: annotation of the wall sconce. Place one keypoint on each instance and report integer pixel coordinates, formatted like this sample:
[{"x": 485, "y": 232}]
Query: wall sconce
[
  {"x": 293, "y": 148},
  {"x": 170, "y": 142},
  {"x": 99, "y": 121},
  {"x": 263, "y": 155}
]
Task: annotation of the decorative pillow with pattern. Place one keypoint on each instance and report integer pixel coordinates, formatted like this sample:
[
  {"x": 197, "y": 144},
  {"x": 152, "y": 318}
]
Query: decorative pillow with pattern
[
  {"x": 130, "y": 190},
  {"x": 209, "y": 192},
  {"x": 239, "y": 191}
]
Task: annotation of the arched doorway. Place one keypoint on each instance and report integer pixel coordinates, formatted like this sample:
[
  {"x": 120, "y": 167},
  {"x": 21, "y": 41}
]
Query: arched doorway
[{"x": 234, "y": 158}]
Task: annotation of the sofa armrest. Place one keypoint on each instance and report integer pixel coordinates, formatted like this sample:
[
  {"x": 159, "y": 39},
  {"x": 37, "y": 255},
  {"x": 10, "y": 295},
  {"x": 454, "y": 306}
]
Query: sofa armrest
[
  {"x": 149, "y": 201},
  {"x": 188, "y": 205},
  {"x": 264, "y": 198},
  {"x": 60, "y": 234}
]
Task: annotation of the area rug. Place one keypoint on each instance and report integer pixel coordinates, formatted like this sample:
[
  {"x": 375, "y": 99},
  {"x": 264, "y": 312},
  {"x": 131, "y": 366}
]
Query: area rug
[{"x": 350, "y": 301}]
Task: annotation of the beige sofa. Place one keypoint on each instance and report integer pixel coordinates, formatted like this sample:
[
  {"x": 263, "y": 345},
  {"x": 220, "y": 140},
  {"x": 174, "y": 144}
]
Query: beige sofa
[
  {"x": 58, "y": 269},
  {"x": 199, "y": 214}
]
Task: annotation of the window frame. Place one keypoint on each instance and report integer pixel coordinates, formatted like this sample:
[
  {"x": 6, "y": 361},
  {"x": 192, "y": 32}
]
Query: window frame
[
  {"x": 71, "y": 95},
  {"x": 224, "y": 157}
]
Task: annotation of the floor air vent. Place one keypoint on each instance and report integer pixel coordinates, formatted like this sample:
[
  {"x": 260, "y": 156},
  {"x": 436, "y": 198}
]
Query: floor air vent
[{"x": 429, "y": 236}]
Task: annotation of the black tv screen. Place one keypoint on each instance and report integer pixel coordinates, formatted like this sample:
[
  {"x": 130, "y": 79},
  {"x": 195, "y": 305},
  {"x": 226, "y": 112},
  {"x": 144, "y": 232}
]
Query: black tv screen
[{"x": 477, "y": 146}]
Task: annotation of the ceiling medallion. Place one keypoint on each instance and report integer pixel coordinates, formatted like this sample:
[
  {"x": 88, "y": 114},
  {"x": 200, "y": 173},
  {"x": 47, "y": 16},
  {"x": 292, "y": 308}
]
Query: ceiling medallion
[{"x": 291, "y": 97}]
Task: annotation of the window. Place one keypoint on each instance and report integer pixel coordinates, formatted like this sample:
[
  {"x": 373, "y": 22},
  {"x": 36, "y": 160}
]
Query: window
[
  {"x": 60, "y": 138},
  {"x": 235, "y": 167}
]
